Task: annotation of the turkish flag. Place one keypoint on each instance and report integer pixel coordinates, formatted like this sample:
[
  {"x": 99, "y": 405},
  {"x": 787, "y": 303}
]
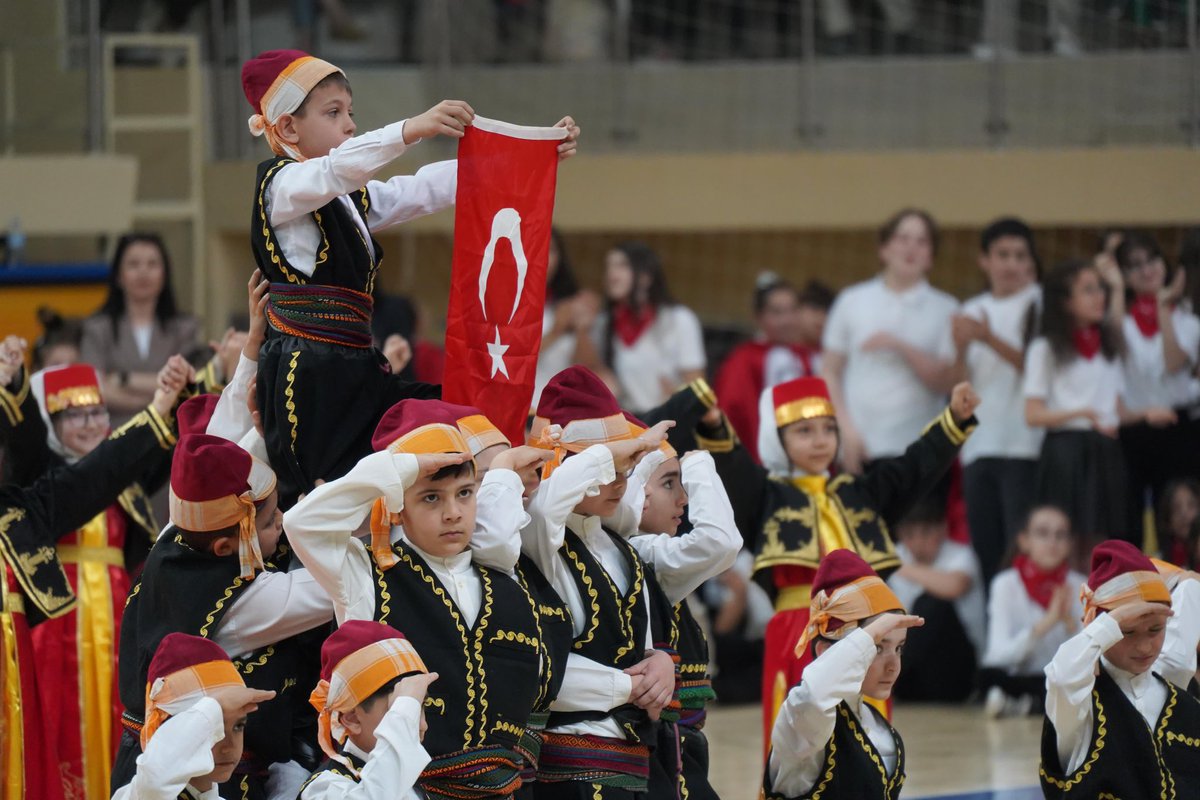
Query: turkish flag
[{"x": 502, "y": 218}]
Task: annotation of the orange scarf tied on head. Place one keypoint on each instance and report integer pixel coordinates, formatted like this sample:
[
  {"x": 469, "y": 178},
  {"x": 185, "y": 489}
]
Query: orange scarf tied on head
[
  {"x": 1128, "y": 587},
  {"x": 833, "y": 615},
  {"x": 181, "y": 690}
]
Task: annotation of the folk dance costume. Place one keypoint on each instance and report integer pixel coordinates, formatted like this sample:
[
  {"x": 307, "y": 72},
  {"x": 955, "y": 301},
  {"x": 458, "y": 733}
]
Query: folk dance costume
[
  {"x": 475, "y": 626},
  {"x": 247, "y": 606},
  {"x": 183, "y": 721},
  {"x": 818, "y": 747},
  {"x": 322, "y": 387},
  {"x": 1109, "y": 732},
  {"x": 358, "y": 660},
  {"x": 37, "y": 590},
  {"x": 76, "y": 651},
  {"x": 1178, "y": 660},
  {"x": 681, "y": 563},
  {"x": 794, "y": 520},
  {"x": 597, "y": 743}
]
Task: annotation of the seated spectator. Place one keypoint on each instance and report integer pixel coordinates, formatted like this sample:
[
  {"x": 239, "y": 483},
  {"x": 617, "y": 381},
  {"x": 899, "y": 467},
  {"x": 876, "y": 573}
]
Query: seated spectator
[
  {"x": 939, "y": 580},
  {"x": 1034, "y": 607},
  {"x": 1178, "y": 509}
]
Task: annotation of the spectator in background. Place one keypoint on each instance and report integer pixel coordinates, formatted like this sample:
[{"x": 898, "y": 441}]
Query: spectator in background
[
  {"x": 1178, "y": 509},
  {"x": 1000, "y": 459},
  {"x": 939, "y": 580},
  {"x": 998, "y": 36},
  {"x": 899, "y": 16},
  {"x": 58, "y": 346},
  {"x": 648, "y": 343},
  {"x": 1189, "y": 264},
  {"x": 776, "y": 354},
  {"x": 397, "y": 330},
  {"x": 888, "y": 354},
  {"x": 570, "y": 311},
  {"x": 135, "y": 331},
  {"x": 1162, "y": 345}
]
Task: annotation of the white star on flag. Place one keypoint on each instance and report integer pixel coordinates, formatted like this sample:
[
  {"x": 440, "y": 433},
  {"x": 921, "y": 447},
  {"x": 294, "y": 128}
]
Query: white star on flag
[{"x": 497, "y": 351}]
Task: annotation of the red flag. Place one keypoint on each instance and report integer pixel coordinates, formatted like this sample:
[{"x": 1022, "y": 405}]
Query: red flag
[{"x": 504, "y": 209}]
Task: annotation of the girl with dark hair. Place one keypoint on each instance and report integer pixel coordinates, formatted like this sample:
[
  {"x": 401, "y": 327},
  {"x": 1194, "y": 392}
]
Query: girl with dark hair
[
  {"x": 569, "y": 313},
  {"x": 138, "y": 327},
  {"x": 58, "y": 346},
  {"x": 649, "y": 344},
  {"x": 1162, "y": 344},
  {"x": 1074, "y": 388}
]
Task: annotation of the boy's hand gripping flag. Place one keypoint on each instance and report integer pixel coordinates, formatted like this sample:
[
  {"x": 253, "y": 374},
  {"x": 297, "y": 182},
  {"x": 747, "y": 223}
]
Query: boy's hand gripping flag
[{"x": 504, "y": 209}]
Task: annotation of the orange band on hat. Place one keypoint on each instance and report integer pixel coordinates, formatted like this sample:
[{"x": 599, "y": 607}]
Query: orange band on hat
[
  {"x": 577, "y": 436},
  {"x": 849, "y": 604},
  {"x": 179, "y": 690},
  {"x": 804, "y": 408},
  {"x": 480, "y": 434},
  {"x": 1128, "y": 587},
  {"x": 355, "y": 678},
  {"x": 286, "y": 94}
]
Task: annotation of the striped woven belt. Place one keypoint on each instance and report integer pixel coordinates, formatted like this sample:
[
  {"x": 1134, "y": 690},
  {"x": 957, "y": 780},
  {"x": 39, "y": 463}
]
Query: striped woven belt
[
  {"x": 489, "y": 771},
  {"x": 530, "y": 746},
  {"x": 80, "y": 554},
  {"x": 322, "y": 314},
  {"x": 594, "y": 759},
  {"x": 131, "y": 723}
]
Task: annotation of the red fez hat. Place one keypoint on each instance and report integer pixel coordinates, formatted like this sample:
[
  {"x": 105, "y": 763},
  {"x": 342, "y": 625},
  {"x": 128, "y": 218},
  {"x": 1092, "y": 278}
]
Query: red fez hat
[
  {"x": 70, "y": 387},
  {"x": 1116, "y": 557},
  {"x": 838, "y": 568},
  {"x": 421, "y": 426},
  {"x": 179, "y": 651},
  {"x": 1120, "y": 574},
  {"x": 277, "y": 82},
  {"x": 577, "y": 393},
  {"x": 194, "y": 414},
  {"x": 207, "y": 468},
  {"x": 802, "y": 398},
  {"x": 352, "y": 636},
  {"x": 261, "y": 71}
]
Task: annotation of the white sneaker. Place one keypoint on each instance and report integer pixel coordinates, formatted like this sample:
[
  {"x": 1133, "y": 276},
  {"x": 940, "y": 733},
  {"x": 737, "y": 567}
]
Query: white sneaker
[{"x": 996, "y": 702}]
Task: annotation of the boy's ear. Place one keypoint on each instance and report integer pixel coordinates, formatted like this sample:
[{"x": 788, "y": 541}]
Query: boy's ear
[
  {"x": 819, "y": 647},
  {"x": 351, "y": 722},
  {"x": 285, "y": 129},
  {"x": 225, "y": 546}
]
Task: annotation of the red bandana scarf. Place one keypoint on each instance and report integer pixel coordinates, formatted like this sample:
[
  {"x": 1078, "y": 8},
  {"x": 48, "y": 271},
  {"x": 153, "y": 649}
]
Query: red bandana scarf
[
  {"x": 1144, "y": 311},
  {"x": 1087, "y": 341},
  {"x": 1039, "y": 583},
  {"x": 629, "y": 324}
]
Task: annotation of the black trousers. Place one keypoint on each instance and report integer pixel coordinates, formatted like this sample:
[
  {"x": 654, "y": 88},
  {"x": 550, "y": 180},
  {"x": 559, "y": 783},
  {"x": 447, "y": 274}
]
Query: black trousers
[
  {"x": 320, "y": 404},
  {"x": 1083, "y": 472},
  {"x": 998, "y": 493},
  {"x": 939, "y": 659},
  {"x": 1016, "y": 685}
]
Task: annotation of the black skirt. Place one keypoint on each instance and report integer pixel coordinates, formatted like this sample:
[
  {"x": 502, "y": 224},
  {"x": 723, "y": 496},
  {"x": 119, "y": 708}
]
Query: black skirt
[{"x": 1083, "y": 472}]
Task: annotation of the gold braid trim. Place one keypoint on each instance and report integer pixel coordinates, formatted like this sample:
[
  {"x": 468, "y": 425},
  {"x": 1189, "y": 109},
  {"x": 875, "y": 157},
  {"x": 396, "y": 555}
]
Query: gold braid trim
[
  {"x": 866, "y": 746},
  {"x": 290, "y": 393},
  {"x": 249, "y": 666},
  {"x": 542, "y": 645},
  {"x": 51, "y": 605},
  {"x": 266, "y": 226},
  {"x": 593, "y": 596},
  {"x": 1166, "y": 776},
  {"x": 209, "y": 619},
  {"x": 1081, "y": 773},
  {"x": 11, "y": 402},
  {"x": 481, "y": 624}
]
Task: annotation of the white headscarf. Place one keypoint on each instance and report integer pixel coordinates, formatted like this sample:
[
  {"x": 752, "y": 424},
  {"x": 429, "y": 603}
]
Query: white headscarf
[{"x": 37, "y": 385}]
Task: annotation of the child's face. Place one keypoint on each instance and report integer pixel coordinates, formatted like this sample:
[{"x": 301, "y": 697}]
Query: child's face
[
  {"x": 1087, "y": 301},
  {"x": 779, "y": 319},
  {"x": 141, "y": 273},
  {"x": 1184, "y": 509},
  {"x": 268, "y": 521},
  {"x": 811, "y": 321},
  {"x": 1047, "y": 540},
  {"x": 811, "y": 444},
  {"x": 1008, "y": 265},
  {"x": 439, "y": 516},
  {"x": 605, "y": 503},
  {"x": 908, "y": 254},
  {"x": 1146, "y": 274},
  {"x": 1140, "y": 647},
  {"x": 326, "y": 122},
  {"x": 665, "y": 499},
  {"x": 618, "y": 276},
  {"x": 83, "y": 428},
  {"x": 60, "y": 355},
  {"x": 226, "y": 755},
  {"x": 885, "y": 668},
  {"x": 923, "y": 539}
]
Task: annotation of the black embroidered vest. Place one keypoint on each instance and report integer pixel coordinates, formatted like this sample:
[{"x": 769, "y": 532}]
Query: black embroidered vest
[
  {"x": 614, "y": 630},
  {"x": 488, "y": 674},
  {"x": 185, "y": 591},
  {"x": 1125, "y": 758},
  {"x": 555, "y": 634},
  {"x": 344, "y": 258},
  {"x": 853, "y": 768}
]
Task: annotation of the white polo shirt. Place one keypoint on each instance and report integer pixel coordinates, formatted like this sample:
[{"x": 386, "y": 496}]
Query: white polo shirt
[
  {"x": 1146, "y": 380},
  {"x": 885, "y": 399},
  {"x": 1002, "y": 432},
  {"x": 1081, "y": 383}
]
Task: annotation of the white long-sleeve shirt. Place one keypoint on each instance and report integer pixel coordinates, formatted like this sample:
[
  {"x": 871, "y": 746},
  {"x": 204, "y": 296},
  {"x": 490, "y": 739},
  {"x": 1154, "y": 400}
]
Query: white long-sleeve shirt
[
  {"x": 231, "y": 418},
  {"x": 179, "y": 751},
  {"x": 392, "y": 768},
  {"x": 587, "y": 685},
  {"x": 1012, "y": 615},
  {"x": 809, "y": 714},
  {"x": 300, "y": 188},
  {"x": 321, "y": 528},
  {"x": 682, "y": 563},
  {"x": 1071, "y": 676},
  {"x": 1177, "y": 662}
]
